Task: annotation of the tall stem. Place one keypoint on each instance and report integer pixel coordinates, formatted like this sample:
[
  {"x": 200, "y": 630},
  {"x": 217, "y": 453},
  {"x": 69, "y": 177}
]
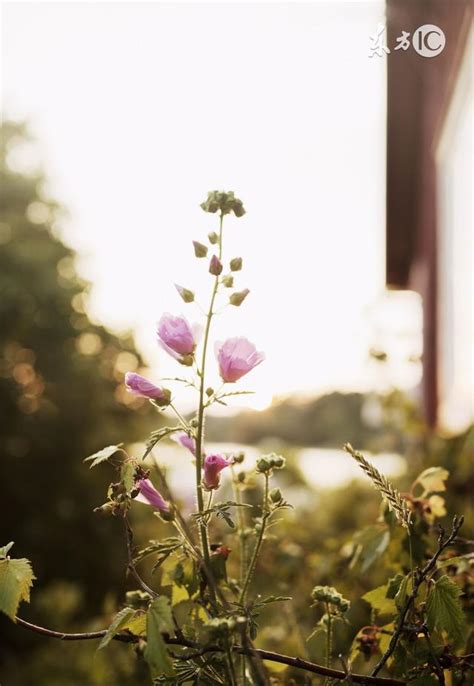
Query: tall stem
[
  {"x": 200, "y": 431},
  {"x": 258, "y": 544},
  {"x": 328, "y": 639}
]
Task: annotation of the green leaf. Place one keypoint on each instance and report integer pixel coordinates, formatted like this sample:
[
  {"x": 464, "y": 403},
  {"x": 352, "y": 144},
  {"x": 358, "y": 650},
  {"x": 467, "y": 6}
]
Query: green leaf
[
  {"x": 16, "y": 579},
  {"x": 370, "y": 544},
  {"x": 444, "y": 611},
  {"x": 5, "y": 550},
  {"x": 432, "y": 479},
  {"x": 118, "y": 623},
  {"x": 379, "y": 601},
  {"x": 103, "y": 455},
  {"x": 127, "y": 474},
  {"x": 159, "y": 619}
]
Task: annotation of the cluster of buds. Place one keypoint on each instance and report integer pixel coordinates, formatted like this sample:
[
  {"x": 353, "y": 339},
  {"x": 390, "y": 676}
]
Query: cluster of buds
[
  {"x": 329, "y": 596},
  {"x": 225, "y": 203},
  {"x": 267, "y": 463}
]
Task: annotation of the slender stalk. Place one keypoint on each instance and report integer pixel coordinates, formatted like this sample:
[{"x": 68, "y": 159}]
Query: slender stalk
[
  {"x": 182, "y": 420},
  {"x": 328, "y": 639},
  {"x": 258, "y": 544},
  {"x": 232, "y": 675},
  {"x": 200, "y": 431}
]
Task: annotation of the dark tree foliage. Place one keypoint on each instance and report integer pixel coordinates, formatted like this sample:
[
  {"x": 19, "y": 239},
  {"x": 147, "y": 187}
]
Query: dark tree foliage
[{"x": 61, "y": 397}]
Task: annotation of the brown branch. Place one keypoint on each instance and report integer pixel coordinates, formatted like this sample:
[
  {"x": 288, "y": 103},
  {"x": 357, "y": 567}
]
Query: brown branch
[
  {"x": 296, "y": 662},
  {"x": 419, "y": 577}
]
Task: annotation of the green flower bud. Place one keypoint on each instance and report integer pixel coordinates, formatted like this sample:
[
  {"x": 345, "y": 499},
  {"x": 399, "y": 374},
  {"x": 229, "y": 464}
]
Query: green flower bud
[
  {"x": 239, "y": 458},
  {"x": 185, "y": 293},
  {"x": 194, "y": 423},
  {"x": 277, "y": 461},
  {"x": 228, "y": 281},
  {"x": 263, "y": 465},
  {"x": 225, "y": 202},
  {"x": 275, "y": 495},
  {"x": 164, "y": 400},
  {"x": 241, "y": 476},
  {"x": 166, "y": 516},
  {"x": 187, "y": 360},
  {"x": 236, "y": 264},
  {"x": 209, "y": 392},
  {"x": 238, "y": 297},
  {"x": 200, "y": 250},
  {"x": 213, "y": 237}
]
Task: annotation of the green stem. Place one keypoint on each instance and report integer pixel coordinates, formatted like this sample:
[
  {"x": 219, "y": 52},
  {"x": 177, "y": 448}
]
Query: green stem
[
  {"x": 328, "y": 640},
  {"x": 258, "y": 544},
  {"x": 182, "y": 420},
  {"x": 232, "y": 675},
  {"x": 200, "y": 431}
]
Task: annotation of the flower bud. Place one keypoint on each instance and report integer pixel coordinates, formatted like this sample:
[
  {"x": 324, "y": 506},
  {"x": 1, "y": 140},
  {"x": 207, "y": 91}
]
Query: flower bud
[
  {"x": 215, "y": 266},
  {"x": 238, "y": 297},
  {"x": 275, "y": 495},
  {"x": 226, "y": 202},
  {"x": 185, "y": 293},
  {"x": 241, "y": 476},
  {"x": 239, "y": 458},
  {"x": 228, "y": 280},
  {"x": 200, "y": 250},
  {"x": 236, "y": 264},
  {"x": 277, "y": 461},
  {"x": 213, "y": 237},
  {"x": 209, "y": 392},
  {"x": 263, "y": 465}
]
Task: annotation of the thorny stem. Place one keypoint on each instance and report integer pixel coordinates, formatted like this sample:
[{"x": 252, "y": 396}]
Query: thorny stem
[
  {"x": 418, "y": 578},
  {"x": 258, "y": 544},
  {"x": 296, "y": 662}
]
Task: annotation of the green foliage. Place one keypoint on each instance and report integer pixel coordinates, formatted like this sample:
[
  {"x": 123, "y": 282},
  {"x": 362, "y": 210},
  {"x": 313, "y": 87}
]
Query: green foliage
[
  {"x": 16, "y": 580},
  {"x": 159, "y": 620},
  {"x": 120, "y": 621},
  {"x": 380, "y": 601},
  {"x": 102, "y": 455},
  {"x": 443, "y": 609}
]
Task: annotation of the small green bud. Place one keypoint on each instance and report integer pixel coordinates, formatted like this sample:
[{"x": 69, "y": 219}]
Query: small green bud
[
  {"x": 215, "y": 266},
  {"x": 213, "y": 237},
  {"x": 239, "y": 458},
  {"x": 263, "y": 465},
  {"x": 228, "y": 280},
  {"x": 165, "y": 516},
  {"x": 275, "y": 495},
  {"x": 194, "y": 423},
  {"x": 277, "y": 461},
  {"x": 225, "y": 202},
  {"x": 187, "y": 360},
  {"x": 209, "y": 392},
  {"x": 200, "y": 250},
  {"x": 238, "y": 297},
  {"x": 241, "y": 476},
  {"x": 185, "y": 293},
  {"x": 236, "y": 264},
  {"x": 164, "y": 400}
]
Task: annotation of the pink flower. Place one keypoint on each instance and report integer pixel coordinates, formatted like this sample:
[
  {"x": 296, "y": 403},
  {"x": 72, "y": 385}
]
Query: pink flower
[
  {"x": 138, "y": 385},
  {"x": 237, "y": 357},
  {"x": 150, "y": 496},
  {"x": 186, "y": 441},
  {"x": 178, "y": 337},
  {"x": 213, "y": 466}
]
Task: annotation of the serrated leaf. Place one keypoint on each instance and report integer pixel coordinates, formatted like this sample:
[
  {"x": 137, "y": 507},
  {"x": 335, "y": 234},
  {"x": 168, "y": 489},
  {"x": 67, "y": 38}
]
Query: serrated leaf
[
  {"x": 127, "y": 473},
  {"x": 432, "y": 479},
  {"x": 379, "y": 601},
  {"x": 119, "y": 622},
  {"x": 6, "y": 549},
  {"x": 159, "y": 619},
  {"x": 443, "y": 609},
  {"x": 16, "y": 579},
  {"x": 103, "y": 455}
]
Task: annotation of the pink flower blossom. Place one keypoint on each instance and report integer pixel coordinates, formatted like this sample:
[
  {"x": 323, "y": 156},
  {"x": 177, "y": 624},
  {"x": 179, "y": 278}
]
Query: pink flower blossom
[
  {"x": 213, "y": 466},
  {"x": 237, "y": 357},
  {"x": 186, "y": 441},
  {"x": 150, "y": 496},
  {"x": 138, "y": 385},
  {"x": 178, "y": 337}
]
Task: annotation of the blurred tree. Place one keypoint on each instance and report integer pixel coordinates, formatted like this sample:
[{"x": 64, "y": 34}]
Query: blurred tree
[{"x": 61, "y": 398}]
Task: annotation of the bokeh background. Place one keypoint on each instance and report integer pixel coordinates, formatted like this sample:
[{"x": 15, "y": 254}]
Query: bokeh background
[{"x": 356, "y": 173}]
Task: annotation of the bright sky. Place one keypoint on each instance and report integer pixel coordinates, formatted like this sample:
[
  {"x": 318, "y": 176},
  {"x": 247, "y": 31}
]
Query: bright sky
[{"x": 141, "y": 108}]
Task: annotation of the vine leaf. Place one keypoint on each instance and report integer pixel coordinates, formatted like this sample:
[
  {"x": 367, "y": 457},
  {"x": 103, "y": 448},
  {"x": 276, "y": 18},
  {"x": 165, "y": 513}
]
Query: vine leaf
[
  {"x": 379, "y": 601},
  {"x": 432, "y": 479},
  {"x": 16, "y": 580},
  {"x": 103, "y": 455},
  {"x": 119, "y": 622},
  {"x": 159, "y": 620},
  {"x": 444, "y": 610}
]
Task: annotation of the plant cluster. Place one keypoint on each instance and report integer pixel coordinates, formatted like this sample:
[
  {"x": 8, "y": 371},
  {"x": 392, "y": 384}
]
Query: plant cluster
[{"x": 202, "y": 625}]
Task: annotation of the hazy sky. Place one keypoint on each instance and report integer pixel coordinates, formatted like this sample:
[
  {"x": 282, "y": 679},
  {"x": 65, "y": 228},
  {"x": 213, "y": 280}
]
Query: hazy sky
[{"x": 141, "y": 108}]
